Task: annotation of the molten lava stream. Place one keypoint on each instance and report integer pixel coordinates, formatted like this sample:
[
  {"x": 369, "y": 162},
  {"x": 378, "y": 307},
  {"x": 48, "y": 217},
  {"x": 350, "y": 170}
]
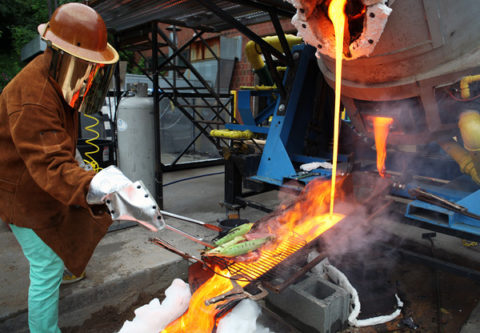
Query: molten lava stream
[
  {"x": 336, "y": 13},
  {"x": 381, "y": 127},
  {"x": 306, "y": 219},
  {"x": 199, "y": 316}
]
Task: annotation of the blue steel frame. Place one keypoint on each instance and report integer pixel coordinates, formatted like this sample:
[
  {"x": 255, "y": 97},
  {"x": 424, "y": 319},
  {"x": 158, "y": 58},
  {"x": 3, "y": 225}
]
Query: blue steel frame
[
  {"x": 244, "y": 98},
  {"x": 461, "y": 191},
  {"x": 285, "y": 138}
]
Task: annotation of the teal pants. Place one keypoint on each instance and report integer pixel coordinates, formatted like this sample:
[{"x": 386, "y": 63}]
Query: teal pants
[{"x": 46, "y": 271}]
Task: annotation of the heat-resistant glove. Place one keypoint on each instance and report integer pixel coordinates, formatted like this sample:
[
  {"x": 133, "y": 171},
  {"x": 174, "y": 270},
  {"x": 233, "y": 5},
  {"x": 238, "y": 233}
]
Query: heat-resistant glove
[{"x": 126, "y": 200}]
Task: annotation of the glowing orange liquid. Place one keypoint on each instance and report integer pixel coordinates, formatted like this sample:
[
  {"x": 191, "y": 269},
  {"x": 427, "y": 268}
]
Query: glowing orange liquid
[
  {"x": 199, "y": 316},
  {"x": 336, "y": 14},
  {"x": 381, "y": 127},
  {"x": 307, "y": 218}
]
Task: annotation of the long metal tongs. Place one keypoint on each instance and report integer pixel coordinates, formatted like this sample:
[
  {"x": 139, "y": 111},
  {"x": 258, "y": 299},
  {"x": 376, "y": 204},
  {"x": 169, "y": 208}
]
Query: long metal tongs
[
  {"x": 433, "y": 199},
  {"x": 188, "y": 219},
  {"x": 169, "y": 247},
  {"x": 188, "y": 236}
]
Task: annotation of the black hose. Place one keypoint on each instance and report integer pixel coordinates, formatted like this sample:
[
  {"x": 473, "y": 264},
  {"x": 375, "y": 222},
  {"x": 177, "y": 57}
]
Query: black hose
[{"x": 194, "y": 177}]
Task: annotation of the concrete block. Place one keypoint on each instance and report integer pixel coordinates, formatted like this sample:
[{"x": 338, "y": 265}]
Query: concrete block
[{"x": 313, "y": 303}]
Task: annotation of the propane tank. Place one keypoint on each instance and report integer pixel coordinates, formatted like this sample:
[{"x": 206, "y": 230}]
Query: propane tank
[{"x": 136, "y": 140}]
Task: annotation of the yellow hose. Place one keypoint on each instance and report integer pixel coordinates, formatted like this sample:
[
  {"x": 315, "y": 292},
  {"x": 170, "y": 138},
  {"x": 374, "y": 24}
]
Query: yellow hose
[
  {"x": 463, "y": 158},
  {"x": 228, "y": 134},
  {"x": 469, "y": 124},
  {"x": 253, "y": 52},
  {"x": 465, "y": 85},
  {"x": 95, "y": 166}
]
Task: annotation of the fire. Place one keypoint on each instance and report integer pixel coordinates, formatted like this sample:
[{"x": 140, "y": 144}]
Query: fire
[
  {"x": 199, "y": 316},
  {"x": 381, "y": 127},
  {"x": 307, "y": 219},
  {"x": 336, "y": 13}
]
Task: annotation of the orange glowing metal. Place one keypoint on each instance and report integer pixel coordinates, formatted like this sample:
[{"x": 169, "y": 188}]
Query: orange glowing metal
[
  {"x": 336, "y": 13},
  {"x": 307, "y": 219},
  {"x": 381, "y": 127},
  {"x": 199, "y": 316}
]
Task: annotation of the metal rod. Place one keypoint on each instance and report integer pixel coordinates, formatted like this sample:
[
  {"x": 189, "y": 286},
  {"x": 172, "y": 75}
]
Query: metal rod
[
  {"x": 188, "y": 219},
  {"x": 192, "y": 69},
  {"x": 192, "y": 238},
  {"x": 167, "y": 246},
  {"x": 181, "y": 49},
  {"x": 156, "y": 121},
  {"x": 281, "y": 36},
  {"x": 234, "y": 23}
]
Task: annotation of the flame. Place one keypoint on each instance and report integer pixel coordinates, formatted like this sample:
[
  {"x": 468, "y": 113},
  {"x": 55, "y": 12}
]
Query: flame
[
  {"x": 199, "y": 316},
  {"x": 336, "y": 13},
  {"x": 307, "y": 218},
  {"x": 381, "y": 127}
]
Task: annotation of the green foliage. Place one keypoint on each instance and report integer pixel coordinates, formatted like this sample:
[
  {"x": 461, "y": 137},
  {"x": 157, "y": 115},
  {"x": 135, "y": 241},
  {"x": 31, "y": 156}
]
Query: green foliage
[
  {"x": 9, "y": 67},
  {"x": 18, "y": 25},
  {"x": 132, "y": 68}
]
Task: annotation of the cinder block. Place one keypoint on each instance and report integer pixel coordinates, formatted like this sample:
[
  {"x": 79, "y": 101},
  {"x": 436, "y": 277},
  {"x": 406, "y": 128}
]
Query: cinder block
[{"x": 315, "y": 303}]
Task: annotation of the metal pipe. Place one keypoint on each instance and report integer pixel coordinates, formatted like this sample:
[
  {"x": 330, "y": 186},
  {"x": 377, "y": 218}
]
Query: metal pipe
[
  {"x": 463, "y": 158},
  {"x": 156, "y": 121}
]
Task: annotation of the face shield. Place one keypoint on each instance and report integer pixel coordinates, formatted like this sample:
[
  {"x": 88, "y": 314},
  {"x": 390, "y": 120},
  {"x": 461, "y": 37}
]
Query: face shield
[{"x": 84, "y": 84}]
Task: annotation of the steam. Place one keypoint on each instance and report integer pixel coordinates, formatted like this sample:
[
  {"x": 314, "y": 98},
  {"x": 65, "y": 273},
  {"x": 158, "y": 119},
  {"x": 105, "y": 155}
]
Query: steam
[
  {"x": 154, "y": 317},
  {"x": 357, "y": 234},
  {"x": 242, "y": 319}
]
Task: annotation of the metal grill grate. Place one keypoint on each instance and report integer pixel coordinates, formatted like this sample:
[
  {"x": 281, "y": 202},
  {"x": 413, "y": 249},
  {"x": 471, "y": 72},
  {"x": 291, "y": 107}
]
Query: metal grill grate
[{"x": 269, "y": 260}]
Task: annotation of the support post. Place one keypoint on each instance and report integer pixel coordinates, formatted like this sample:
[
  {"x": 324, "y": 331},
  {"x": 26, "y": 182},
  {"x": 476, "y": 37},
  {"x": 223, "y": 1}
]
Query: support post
[{"x": 156, "y": 111}]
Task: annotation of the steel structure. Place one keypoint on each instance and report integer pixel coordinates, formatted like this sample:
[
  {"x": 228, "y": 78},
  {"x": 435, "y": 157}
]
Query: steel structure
[{"x": 135, "y": 25}]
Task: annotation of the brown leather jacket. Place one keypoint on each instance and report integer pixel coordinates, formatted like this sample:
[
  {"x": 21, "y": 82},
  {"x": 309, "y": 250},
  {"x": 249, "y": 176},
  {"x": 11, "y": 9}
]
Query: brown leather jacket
[{"x": 41, "y": 185}]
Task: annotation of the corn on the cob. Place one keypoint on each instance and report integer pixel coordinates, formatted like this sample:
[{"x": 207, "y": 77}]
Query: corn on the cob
[
  {"x": 238, "y": 248},
  {"x": 235, "y": 232},
  {"x": 224, "y": 246}
]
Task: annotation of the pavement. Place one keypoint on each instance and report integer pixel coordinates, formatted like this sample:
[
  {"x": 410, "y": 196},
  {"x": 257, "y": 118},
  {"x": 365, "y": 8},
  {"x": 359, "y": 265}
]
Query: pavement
[{"x": 126, "y": 264}]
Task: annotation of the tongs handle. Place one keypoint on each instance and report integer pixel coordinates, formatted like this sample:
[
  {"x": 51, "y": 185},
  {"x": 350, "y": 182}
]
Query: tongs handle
[
  {"x": 186, "y": 235},
  {"x": 188, "y": 219}
]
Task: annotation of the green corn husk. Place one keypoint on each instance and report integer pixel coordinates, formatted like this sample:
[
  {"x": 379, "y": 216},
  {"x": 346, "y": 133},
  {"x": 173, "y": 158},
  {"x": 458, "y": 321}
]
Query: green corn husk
[
  {"x": 235, "y": 232},
  {"x": 223, "y": 247},
  {"x": 238, "y": 248}
]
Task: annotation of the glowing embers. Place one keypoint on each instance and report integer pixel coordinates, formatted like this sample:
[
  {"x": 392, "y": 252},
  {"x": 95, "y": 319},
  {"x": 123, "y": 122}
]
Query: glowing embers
[{"x": 381, "y": 127}]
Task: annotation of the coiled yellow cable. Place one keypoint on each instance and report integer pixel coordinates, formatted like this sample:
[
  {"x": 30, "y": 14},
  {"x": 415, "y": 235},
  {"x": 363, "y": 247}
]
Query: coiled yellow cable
[{"x": 94, "y": 164}]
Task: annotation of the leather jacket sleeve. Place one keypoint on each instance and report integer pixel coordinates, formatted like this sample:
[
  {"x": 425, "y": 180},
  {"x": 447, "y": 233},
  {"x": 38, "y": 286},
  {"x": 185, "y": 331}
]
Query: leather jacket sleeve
[{"x": 48, "y": 151}]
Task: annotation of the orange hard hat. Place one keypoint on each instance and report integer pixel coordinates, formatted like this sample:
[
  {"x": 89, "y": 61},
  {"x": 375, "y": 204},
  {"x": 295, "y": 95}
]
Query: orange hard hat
[{"x": 80, "y": 31}]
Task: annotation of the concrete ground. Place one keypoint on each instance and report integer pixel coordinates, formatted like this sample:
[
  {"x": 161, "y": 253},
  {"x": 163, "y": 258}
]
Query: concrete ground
[{"x": 126, "y": 264}]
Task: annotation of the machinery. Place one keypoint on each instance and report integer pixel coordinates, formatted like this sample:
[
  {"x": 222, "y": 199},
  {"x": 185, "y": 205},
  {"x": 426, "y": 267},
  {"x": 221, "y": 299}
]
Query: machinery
[{"x": 416, "y": 62}]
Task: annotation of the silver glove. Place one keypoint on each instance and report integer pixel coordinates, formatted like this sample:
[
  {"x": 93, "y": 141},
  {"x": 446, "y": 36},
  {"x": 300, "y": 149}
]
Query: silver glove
[
  {"x": 125, "y": 200},
  {"x": 108, "y": 180}
]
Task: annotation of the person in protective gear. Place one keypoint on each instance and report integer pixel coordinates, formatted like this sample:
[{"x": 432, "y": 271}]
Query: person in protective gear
[{"x": 43, "y": 190}]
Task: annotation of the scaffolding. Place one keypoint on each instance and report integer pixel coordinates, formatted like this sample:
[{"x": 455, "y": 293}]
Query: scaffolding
[{"x": 151, "y": 26}]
